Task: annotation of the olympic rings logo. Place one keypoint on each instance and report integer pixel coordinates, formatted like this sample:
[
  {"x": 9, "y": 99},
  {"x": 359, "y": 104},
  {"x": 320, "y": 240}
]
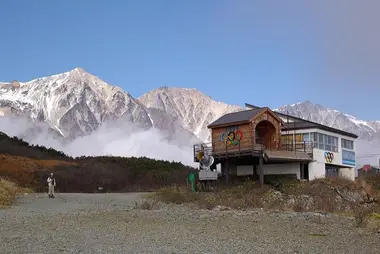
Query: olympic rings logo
[
  {"x": 329, "y": 157},
  {"x": 232, "y": 138}
]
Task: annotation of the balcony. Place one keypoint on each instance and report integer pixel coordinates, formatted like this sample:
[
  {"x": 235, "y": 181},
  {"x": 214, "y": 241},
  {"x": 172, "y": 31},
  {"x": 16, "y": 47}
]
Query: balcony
[{"x": 241, "y": 149}]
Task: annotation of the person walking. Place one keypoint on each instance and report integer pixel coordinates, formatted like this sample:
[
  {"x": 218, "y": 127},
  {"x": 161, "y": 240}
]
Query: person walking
[{"x": 51, "y": 185}]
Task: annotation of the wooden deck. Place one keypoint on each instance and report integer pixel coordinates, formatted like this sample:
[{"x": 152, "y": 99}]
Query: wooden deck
[{"x": 286, "y": 156}]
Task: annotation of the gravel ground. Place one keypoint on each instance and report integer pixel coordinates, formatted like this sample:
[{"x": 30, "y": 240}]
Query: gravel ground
[{"x": 110, "y": 223}]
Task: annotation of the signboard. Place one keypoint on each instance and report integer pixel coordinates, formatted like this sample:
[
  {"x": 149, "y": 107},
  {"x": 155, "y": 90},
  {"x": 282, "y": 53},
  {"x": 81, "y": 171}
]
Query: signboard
[{"x": 348, "y": 158}]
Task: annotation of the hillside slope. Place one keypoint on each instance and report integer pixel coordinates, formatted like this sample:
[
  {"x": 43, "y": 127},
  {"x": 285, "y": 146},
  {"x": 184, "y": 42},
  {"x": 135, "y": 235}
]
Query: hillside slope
[{"x": 29, "y": 166}]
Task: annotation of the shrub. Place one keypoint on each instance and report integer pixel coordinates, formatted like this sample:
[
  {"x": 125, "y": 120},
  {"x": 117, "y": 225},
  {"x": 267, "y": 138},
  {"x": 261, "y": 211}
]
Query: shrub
[
  {"x": 361, "y": 215},
  {"x": 177, "y": 195},
  {"x": 145, "y": 205},
  {"x": 242, "y": 196},
  {"x": 8, "y": 192}
]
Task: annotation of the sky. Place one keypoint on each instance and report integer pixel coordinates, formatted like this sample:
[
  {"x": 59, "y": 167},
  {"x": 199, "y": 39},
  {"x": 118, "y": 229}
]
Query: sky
[{"x": 266, "y": 53}]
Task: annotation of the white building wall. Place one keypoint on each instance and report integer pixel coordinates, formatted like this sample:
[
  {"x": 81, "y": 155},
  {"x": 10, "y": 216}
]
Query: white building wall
[
  {"x": 316, "y": 170},
  {"x": 272, "y": 169},
  {"x": 282, "y": 169},
  {"x": 348, "y": 173},
  {"x": 244, "y": 170}
]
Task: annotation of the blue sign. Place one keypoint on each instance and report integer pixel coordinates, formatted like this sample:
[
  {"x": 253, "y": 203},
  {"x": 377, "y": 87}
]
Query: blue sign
[{"x": 348, "y": 157}]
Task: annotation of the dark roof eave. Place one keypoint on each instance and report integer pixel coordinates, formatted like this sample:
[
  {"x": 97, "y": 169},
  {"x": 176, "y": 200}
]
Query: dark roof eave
[
  {"x": 212, "y": 126},
  {"x": 326, "y": 128}
]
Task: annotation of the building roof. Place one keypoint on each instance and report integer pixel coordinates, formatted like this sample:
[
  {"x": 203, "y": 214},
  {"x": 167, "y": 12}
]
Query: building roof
[
  {"x": 300, "y": 123},
  {"x": 368, "y": 167},
  {"x": 236, "y": 117}
]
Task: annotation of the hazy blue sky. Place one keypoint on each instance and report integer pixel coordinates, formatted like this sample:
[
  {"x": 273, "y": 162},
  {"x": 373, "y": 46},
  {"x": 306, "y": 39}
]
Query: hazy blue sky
[{"x": 266, "y": 52}]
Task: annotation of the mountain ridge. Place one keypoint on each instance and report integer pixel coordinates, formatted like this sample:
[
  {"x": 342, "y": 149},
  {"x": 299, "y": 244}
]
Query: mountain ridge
[{"x": 77, "y": 103}]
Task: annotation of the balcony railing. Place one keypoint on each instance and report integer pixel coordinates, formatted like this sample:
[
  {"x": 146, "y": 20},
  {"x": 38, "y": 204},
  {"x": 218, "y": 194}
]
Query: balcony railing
[
  {"x": 243, "y": 148},
  {"x": 301, "y": 146}
]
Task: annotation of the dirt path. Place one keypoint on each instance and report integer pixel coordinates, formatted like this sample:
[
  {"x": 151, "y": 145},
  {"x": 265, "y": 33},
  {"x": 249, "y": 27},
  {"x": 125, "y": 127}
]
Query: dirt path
[{"x": 109, "y": 223}]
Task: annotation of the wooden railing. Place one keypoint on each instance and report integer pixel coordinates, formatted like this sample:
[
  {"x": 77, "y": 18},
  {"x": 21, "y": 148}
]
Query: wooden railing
[
  {"x": 243, "y": 148},
  {"x": 301, "y": 146}
]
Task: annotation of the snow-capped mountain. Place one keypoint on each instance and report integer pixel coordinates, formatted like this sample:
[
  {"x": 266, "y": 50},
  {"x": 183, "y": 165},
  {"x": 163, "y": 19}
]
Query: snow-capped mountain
[
  {"x": 366, "y": 130},
  {"x": 191, "y": 108},
  {"x": 76, "y": 103},
  {"x": 368, "y": 143}
]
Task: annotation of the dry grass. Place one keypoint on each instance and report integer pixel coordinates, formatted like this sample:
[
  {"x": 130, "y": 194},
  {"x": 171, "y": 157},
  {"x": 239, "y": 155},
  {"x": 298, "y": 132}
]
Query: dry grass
[
  {"x": 8, "y": 192},
  {"x": 322, "y": 195},
  {"x": 240, "y": 197},
  {"x": 22, "y": 169},
  {"x": 178, "y": 195},
  {"x": 146, "y": 205}
]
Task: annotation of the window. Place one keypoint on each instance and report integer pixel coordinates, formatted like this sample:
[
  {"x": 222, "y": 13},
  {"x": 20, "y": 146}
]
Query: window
[
  {"x": 325, "y": 142},
  {"x": 287, "y": 139},
  {"x": 299, "y": 138},
  {"x": 347, "y": 144}
]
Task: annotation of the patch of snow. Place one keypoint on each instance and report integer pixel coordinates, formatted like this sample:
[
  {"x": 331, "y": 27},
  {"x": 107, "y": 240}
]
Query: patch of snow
[
  {"x": 151, "y": 120},
  {"x": 358, "y": 122}
]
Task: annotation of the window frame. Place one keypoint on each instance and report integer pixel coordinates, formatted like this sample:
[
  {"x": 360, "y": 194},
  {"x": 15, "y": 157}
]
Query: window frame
[
  {"x": 347, "y": 144},
  {"x": 325, "y": 142}
]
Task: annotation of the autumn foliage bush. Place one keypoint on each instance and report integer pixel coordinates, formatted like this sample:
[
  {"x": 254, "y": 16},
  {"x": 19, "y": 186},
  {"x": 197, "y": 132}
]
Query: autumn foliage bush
[{"x": 8, "y": 192}]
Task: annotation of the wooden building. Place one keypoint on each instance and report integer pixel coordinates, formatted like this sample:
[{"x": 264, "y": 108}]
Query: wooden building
[{"x": 251, "y": 138}]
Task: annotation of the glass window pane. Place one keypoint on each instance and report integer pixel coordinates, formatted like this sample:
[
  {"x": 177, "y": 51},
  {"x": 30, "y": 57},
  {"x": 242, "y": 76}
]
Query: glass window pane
[
  {"x": 315, "y": 137},
  {"x": 320, "y": 138},
  {"x": 347, "y": 144}
]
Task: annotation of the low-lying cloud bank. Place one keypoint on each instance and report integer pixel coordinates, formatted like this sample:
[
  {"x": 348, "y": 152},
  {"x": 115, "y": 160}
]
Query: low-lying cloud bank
[
  {"x": 113, "y": 138},
  {"x": 126, "y": 139}
]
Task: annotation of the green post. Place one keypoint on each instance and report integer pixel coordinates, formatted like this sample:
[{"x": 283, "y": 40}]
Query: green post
[{"x": 192, "y": 180}]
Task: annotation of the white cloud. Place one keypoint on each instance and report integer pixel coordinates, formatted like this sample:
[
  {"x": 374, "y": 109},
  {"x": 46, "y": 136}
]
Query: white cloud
[{"x": 116, "y": 139}]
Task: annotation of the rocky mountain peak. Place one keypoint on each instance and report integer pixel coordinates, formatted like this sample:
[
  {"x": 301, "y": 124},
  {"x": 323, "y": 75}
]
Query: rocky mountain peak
[{"x": 76, "y": 103}]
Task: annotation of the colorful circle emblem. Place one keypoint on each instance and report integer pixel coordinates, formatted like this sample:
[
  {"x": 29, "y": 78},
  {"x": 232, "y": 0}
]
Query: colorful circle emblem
[
  {"x": 329, "y": 157},
  {"x": 232, "y": 138}
]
